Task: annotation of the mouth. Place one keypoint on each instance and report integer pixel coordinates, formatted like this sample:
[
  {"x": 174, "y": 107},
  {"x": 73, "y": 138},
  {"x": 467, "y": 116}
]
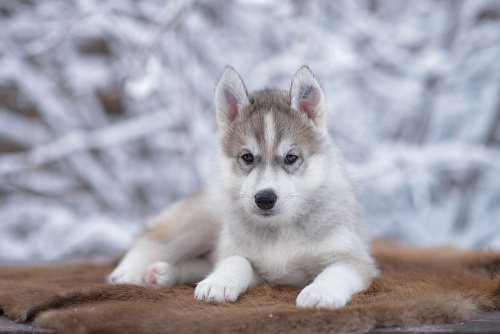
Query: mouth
[{"x": 266, "y": 215}]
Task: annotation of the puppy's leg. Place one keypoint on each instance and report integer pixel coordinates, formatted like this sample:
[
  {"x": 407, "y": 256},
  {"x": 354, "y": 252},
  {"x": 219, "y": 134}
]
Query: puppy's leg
[
  {"x": 163, "y": 275},
  {"x": 335, "y": 285},
  {"x": 133, "y": 265},
  {"x": 183, "y": 232},
  {"x": 232, "y": 276}
]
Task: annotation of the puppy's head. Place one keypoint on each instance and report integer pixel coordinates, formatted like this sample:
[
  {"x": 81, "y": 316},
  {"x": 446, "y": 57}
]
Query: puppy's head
[{"x": 272, "y": 146}]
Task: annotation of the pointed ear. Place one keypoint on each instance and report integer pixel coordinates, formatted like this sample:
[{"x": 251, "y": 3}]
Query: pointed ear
[
  {"x": 231, "y": 97},
  {"x": 306, "y": 96}
]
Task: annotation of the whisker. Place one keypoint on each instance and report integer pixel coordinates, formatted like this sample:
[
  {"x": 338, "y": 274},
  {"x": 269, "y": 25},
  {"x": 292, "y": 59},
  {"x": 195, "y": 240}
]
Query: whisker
[{"x": 291, "y": 197}]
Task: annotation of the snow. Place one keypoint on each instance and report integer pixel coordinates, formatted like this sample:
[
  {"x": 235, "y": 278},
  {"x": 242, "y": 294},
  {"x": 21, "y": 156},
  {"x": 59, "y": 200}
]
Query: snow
[{"x": 106, "y": 111}]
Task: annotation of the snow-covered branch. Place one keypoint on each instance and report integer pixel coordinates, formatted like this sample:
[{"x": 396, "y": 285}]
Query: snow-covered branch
[{"x": 78, "y": 141}]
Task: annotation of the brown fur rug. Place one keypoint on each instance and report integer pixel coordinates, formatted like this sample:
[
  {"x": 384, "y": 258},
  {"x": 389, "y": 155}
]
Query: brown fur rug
[{"x": 416, "y": 286}]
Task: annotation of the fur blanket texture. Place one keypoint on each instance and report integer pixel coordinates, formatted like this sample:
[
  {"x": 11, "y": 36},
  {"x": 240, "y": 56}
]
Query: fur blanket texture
[{"x": 416, "y": 286}]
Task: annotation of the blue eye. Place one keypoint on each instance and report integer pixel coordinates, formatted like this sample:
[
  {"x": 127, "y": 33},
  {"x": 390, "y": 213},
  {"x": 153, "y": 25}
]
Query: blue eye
[
  {"x": 248, "y": 158},
  {"x": 290, "y": 159}
]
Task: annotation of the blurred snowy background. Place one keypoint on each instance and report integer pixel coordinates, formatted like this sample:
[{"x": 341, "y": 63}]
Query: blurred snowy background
[{"x": 106, "y": 111}]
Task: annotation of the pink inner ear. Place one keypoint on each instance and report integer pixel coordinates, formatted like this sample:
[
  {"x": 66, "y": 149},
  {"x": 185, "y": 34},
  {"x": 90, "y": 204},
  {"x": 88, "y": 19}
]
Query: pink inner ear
[
  {"x": 232, "y": 106},
  {"x": 308, "y": 101}
]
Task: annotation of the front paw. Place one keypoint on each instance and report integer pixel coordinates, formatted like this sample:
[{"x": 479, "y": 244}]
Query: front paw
[
  {"x": 322, "y": 297},
  {"x": 218, "y": 290}
]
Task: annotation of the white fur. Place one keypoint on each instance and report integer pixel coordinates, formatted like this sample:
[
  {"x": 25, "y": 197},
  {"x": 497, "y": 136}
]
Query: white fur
[
  {"x": 160, "y": 275},
  {"x": 231, "y": 277},
  {"x": 332, "y": 288},
  {"x": 290, "y": 259},
  {"x": 132, "y": 268},
  {"x": 269, "y": 132}
]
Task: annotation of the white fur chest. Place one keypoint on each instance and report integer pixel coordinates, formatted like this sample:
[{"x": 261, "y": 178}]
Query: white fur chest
[
  {"x": 282, "y": 263},
  {"x": 282, "y": 260}
]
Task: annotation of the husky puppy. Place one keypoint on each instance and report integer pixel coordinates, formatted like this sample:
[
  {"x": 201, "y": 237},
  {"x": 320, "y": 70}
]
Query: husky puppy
[{"x": 280, "y": 209}]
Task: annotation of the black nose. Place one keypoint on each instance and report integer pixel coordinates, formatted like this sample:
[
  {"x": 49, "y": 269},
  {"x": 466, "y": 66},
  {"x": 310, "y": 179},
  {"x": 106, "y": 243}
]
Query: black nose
[{"x": 265, "y": 200}]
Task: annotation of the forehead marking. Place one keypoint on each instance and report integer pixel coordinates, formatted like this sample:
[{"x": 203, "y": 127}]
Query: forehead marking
[{"x": 269, "y": 132}]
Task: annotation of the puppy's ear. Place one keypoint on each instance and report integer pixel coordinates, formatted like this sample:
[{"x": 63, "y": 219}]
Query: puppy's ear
[
  {"x": 306, "y": 96},
  {"x": 231, "y": 97}
]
